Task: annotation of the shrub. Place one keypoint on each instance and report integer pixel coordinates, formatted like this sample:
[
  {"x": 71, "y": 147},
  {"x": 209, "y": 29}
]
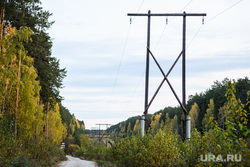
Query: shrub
[
  {"x": 96, "y": 151},
  {"x": 23, "y": 161},
  {"x": 161, "y": 149},
  {"x": 72, "y": 149}
]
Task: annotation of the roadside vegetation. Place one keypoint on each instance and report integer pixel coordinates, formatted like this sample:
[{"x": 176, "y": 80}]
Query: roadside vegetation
[
  {"x": 163, "y": 146},
  {"x": 33, "y": 121}
]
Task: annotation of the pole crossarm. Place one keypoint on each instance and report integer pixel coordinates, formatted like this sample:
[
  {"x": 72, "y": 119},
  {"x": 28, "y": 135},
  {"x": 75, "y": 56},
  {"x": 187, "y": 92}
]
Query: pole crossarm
[
  {"x": 167, "y": 14},
  {"x": 166, "y": 79}
]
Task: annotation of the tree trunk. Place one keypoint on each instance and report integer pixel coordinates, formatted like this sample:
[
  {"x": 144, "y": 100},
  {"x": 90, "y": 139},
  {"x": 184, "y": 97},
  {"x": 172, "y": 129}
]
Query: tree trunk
[
  {"x": 46, "y": 123},
  {"x": 17, "y": 93},
  {"x": 2, "y": 23}
]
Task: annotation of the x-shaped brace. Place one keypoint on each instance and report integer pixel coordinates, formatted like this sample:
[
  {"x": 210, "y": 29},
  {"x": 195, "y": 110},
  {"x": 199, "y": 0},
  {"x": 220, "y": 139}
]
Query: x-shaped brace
[{"x": 165, "y": 79}]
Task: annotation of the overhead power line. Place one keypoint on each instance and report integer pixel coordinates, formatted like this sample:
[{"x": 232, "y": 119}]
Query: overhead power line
[
  {"x": 167, "y": 24},
  {"x": 121, "y": 60},
  {"x": 224, "y": 11}
]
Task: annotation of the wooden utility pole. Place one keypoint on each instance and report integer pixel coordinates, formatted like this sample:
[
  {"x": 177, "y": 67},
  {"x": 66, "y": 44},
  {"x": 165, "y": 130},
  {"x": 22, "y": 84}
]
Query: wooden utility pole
[
  {"x": 184, "y": 76},
  {"x": 100, "y": 137},
  {"x": 147, "y": 74},
  {"x": 183, "y": 53}
]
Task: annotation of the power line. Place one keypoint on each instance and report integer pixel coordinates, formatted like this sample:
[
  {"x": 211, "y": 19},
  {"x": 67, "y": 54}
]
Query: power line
[
  {"x": 195, "y": 35},
  {"x": 119, "y": 67},
  {"x": 224, "y": 11},
  {"x": 154, "y": 49},
  {"x": 122, "y": 55},
  {"x": 133, "y": 93},
  {"x": 169, "y": 22},
  {"x": 212, "y": 19},
  {"x": 140, "y": 6}
]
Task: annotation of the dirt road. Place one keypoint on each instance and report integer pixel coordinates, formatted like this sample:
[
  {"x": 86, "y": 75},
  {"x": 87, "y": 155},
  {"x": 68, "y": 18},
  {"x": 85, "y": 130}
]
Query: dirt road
[{"x": 76, "y": 162}]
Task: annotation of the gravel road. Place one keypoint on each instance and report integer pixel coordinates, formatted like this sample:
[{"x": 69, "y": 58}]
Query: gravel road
[{"x": 76, "y": 162}]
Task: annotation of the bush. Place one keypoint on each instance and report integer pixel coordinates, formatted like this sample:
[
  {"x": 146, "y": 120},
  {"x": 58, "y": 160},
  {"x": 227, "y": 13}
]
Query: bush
[
  {"x": 72, "y": 149},
  {"x": 80, "y": 153},
  {"x": 96, "y": 151},
  {"x": 23, "y": 161},
  {"x": 161, "y": 149}
]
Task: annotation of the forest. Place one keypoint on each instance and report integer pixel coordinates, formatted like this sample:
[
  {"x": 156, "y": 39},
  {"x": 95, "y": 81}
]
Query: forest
[
  {"x": 210, "y": 103},
  {"x": 33, "y": 121}
]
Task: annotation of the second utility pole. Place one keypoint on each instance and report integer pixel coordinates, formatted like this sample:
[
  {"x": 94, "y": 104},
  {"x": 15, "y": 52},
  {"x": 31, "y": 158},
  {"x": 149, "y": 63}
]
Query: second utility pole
[
  {"x": 147, "y": 75},
  {"x": 146, "y": 105}
]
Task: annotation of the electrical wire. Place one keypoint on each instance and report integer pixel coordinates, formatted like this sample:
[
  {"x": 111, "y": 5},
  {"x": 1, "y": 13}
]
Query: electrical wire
[
  {"x": 119, "y": 67},
  {"x": 213, "y": 19},
  {"x": 140, "y": 6},
  {"x": 154, "y": 50},
  {"x": 194, "y": 36},
  {"x": 159, "y": 42},
  {"x": 169, "y": 22},
  {"x": 121, "y": 60},
  {"x": 130, "y": 99},
  {"x": 224, "y": 11}
]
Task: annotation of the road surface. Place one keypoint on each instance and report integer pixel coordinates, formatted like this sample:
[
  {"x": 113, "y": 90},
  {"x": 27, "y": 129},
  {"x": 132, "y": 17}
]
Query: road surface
[{"x": 76, "y": 162}]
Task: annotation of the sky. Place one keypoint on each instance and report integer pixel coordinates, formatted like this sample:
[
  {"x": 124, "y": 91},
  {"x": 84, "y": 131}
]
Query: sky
[{"x": 104, "y": 52}]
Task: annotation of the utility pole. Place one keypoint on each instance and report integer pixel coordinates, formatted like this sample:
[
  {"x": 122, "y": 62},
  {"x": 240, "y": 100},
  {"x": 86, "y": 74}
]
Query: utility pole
[
  {"x": 184, "y": 75},
  {"x": 183, "y": 53},
  {"x": 100, "y": 137},
  {"x": 147, "y": 76}
]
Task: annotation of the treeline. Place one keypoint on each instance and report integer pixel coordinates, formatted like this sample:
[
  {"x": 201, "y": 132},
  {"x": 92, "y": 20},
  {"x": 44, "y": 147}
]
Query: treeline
[
  {"x": 33, "y": 121},
  {"x": 216, "y": 145},
  {"x": 202, "y": 106}
]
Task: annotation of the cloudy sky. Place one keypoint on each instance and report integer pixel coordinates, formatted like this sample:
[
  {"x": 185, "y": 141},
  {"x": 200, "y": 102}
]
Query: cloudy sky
[{"x": 104, "y": 54}]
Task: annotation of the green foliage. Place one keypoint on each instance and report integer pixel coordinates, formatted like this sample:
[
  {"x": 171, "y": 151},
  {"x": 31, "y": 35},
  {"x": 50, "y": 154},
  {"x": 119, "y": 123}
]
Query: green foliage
[
  {"x": 161, "y": 149},
  {"x": 29, "y": 13},
  {"x": 155, "y": 123},
  {"x": 72, "y": 149},
  {"x": 56, "y": 129},
  {"x": 164, "y": 148},
  {"x": 23, "y": 161},
  {"x": 85, "y": 142},
  {"x": 209, "y": 116},
  {"x": 193, "y": 113},
  {"x": 122, "y": 129},
  {"x": 22, "y": 118},
  {"x": 96, "y": 151},
  {"x": 30, "y": 80},
  {"x": 217, "y": 93},
  {"x": 137, "y": 127}
]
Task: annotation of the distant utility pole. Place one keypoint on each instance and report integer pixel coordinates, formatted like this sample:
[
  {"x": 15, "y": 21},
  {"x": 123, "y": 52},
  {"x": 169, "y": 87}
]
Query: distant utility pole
[
  {"x": 183, "y": 53},
  {"x": 100, "y": 137}
]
